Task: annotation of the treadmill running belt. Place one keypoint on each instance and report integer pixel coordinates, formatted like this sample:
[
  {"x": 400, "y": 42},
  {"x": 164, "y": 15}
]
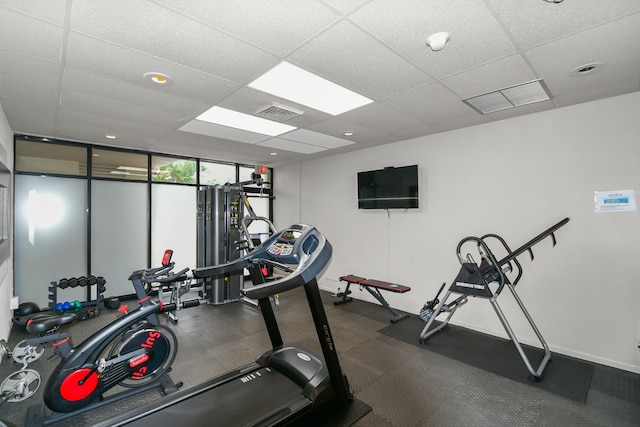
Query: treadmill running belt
[{"x": 240, "y": 402}]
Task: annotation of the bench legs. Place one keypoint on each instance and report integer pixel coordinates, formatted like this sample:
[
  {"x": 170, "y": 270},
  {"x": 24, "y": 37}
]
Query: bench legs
[
  {"x": 344, "y": 296},
  {"x": 377, "y": 295}
]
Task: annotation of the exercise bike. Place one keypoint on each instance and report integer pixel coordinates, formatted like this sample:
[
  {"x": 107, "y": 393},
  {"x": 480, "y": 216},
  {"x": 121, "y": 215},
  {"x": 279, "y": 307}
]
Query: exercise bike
[{"x": 135, "y": 352}]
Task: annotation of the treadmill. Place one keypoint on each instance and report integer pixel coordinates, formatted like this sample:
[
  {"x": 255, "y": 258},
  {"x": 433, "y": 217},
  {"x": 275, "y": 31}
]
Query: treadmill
[{"x": 284, "y": 385}]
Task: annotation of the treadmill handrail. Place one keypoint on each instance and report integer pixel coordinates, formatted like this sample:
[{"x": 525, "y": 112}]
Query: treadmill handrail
[{"x": 313, "y": 252}]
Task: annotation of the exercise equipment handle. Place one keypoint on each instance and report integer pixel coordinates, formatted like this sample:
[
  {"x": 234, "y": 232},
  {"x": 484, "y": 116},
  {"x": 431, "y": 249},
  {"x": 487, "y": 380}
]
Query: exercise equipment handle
[
  {"x": 180, "y": 276},
  {"x": 527, "y": 246},
  {"x": 154, "y": 271},
  {"x": 300, "y": 245}
]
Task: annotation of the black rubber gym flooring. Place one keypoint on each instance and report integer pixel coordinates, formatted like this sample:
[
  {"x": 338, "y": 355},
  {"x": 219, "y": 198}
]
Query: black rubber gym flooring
[
  {"x": 564, "y": 376},
  {"x": 405, "y": 385}
]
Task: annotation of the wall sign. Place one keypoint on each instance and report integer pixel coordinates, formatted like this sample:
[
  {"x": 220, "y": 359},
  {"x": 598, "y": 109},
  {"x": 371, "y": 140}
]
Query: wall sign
[{"x": 615, "y": 201}]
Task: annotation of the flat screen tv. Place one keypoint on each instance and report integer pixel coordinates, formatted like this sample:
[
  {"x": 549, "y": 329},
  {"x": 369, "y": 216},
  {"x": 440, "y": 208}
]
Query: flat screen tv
[{"x": 388, "y": 188}]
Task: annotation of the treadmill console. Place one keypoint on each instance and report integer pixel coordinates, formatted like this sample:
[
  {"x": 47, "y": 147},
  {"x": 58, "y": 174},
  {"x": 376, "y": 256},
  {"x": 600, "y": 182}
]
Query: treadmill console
[
  {"x": 290, "y": 246},
  {"x": 299, "y": 245}
]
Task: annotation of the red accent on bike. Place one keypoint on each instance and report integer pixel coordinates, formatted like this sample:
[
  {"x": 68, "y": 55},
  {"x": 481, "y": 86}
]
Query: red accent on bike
[
  {"x": 166, "y": 259},
  {"x": 28, "y": 322},
  {"x": 144, "y": 299},
  {"x": 55, "y": 344},
  {"x": 123, "y": 308},
  {"x": 161, "y": 305},
  {"x": 72, "y": 390},
  {"x": 139, "y": 361}
]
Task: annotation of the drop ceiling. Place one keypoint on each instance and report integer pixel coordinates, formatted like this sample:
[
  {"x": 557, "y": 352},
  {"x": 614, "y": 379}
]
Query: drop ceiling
[{"x": 74, "y": 70}]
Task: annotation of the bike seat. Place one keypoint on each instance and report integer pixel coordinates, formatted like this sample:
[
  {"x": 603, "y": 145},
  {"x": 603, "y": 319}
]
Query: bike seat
[{"x": 45, "y": 322}]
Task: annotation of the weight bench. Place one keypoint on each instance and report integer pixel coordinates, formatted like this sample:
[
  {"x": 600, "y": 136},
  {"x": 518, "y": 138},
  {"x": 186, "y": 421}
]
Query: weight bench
[{"x": 373, "y": 287}]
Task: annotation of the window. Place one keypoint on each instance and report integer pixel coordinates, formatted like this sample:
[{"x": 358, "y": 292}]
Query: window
[
  {"x": 50, "y": 158},
  {"x": 120, "y": 165},
  {"x": 216, "y": 173},
  {"x": 170, "y": 169}
]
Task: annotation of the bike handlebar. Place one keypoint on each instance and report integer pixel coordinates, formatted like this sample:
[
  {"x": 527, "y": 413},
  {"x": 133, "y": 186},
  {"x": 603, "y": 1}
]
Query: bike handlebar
[{"x": 180, "y": 276}]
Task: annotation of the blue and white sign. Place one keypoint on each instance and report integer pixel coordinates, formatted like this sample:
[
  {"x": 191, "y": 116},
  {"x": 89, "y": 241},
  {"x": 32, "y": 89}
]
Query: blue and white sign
[{"x": 615, "y": 201}]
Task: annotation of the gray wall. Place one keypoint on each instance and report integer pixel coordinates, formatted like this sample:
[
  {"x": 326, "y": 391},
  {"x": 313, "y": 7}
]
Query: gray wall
[{"x": 513, "y": 177}]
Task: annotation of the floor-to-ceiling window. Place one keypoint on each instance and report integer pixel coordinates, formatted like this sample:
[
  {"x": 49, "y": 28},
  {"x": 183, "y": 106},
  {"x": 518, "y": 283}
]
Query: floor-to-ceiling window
[
  {"x": 82, "y": 209},
  {"x": 51, "y": 214}
]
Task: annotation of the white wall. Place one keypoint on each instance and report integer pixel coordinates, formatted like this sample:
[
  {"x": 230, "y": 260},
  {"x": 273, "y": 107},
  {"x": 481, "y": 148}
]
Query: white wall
[
  {"x": 6, "y": 268},
  {"x": 515, "y": 178}
]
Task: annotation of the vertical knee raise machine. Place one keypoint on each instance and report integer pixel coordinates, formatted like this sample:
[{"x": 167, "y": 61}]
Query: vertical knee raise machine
[{"x": 487, "y": 280}]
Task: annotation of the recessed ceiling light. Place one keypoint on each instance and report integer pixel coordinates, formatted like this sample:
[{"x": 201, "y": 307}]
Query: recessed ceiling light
[
  {"x": 554, "y": 1},
  {"x": 295, "y": 84},
  {"x": 234, "y": 119},
  {"x": 349, "y": 133},
  {"x": 586, "y": 69},
  {"x": 274, "y": 154},
  {"x": 110, "y": 136},
  {"x": 158, "y": 79}
]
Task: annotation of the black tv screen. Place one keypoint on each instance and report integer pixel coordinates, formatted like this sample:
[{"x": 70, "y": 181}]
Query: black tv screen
[{"x": 388, "y": 188}]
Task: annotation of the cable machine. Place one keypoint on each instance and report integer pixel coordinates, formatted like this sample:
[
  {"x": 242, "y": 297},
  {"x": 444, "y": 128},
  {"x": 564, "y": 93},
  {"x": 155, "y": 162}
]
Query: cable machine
[{"x": 219, "y": 211}]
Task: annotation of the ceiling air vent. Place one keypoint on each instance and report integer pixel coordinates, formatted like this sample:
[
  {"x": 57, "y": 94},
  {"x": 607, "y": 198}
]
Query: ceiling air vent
[{"x": 278, "y": 112}]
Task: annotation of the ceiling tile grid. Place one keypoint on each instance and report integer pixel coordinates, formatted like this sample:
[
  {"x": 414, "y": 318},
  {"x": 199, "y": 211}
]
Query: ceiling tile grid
[
  {"x": 278, "y": 27},
  {"x": 532, "y": 23},
  {"x": 29, "y": 69},
  {"x": 74, "y": 70},
  {"x": 476, "y": 36},
  {"x": 607, "y": 44},
  {"x": 129, "y": 65},
  {"x": 152, "y": 29},
  {"x": 30, "y": 36},
  {"x": 347, "y": 55}
]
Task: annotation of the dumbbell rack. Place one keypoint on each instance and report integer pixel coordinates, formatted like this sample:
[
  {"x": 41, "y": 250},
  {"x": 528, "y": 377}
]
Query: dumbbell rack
[{"x": 84, "y": 281}]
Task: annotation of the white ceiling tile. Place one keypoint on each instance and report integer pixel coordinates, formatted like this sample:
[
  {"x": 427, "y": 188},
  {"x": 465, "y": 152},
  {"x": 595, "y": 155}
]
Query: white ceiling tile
[
  {"x": 29, "y": 69},
  {"x": 126, "y": 64},
  {"x": 532, "y": 23},
  {"x": 120, "y": 91},
  {"x": 417, "y": 132},
  {"x": 52, "y": 11},
  {"x": 382, "y": 118},
  {"x": 170, "y": 36},
  {"x": 278, "y": 26},
  {"x": 315, "y": 138},
  {"x": 177, "y": 142},
  {"x": 10, "y": 88},
  {"x": 223, "y": 132},
  {"x": 337, "y": 126},
  {"x": 28, "y": 117},
  {"x": 91, "y": 127},
  {"x": 621, "y": 59},
  {"x": 106, "y": 110},
  {"x": 476, "y": 36},
  {"x": 349, "y": 57},
  {"x": 346, "y": 6},
  {"x": 505, "y": 72},
  {"x": 598, "y": 92},
  {"x": 433, "y": 104},
  {"x": 30, "y": 36},
  {"x": 296, "y": 147}
]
